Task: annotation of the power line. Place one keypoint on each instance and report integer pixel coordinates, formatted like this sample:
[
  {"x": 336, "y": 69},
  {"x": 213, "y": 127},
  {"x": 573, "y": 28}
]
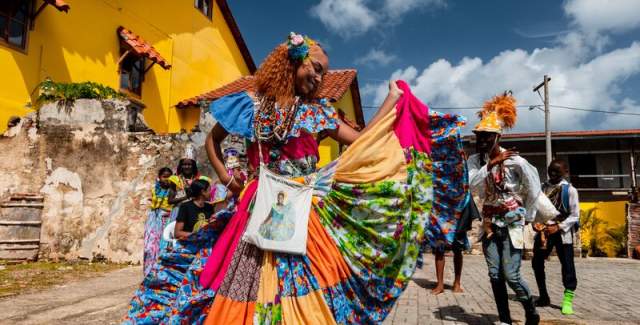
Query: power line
[
  {"x": 595, "y": 110},
  {"x": 527, "y": 106},
  {"x": 453, "y": 108}
]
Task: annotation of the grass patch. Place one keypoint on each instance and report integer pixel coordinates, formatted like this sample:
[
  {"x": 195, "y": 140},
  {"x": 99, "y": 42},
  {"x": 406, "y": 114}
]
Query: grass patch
[{"x": 28, "y": 277}]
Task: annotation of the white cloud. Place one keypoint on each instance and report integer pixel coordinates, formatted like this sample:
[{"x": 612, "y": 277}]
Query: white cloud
[
  {"x": 349, "y": 18},
  {"x": 583, "y": 74},
  {"x": 397, "y": 8},
  {"x": 576, "y": 82},
  {"x": 376, "y": 58},
  {"x": 604, "y": 15},
  {"x": 345, "y": 17}
]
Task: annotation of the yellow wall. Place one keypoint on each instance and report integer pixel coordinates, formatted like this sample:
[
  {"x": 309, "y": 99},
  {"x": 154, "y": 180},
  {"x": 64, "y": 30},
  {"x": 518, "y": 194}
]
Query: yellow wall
[
  {"x": 612, "y": 213},
  {"x": 82, "y": 45},
  {"x": 329, "y": 148}
]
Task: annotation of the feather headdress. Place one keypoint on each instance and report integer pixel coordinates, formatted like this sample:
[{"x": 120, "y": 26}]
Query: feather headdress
[{"x": 497, "y": 114}]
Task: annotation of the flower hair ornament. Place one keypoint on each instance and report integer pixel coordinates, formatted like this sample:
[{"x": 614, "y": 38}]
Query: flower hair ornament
[{"x": 298, "y": 46}]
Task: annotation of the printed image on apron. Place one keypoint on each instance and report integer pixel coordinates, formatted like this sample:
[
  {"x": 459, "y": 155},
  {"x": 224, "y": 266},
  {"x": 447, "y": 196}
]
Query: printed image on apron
[
  {"x": 280, "y": 215},
  {"x": 279, "y": 225}
]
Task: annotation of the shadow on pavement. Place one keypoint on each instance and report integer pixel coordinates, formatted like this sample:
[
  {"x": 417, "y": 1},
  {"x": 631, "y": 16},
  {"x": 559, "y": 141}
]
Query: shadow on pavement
[
  {"x": 458, "y": 314},
  {"x": 427, "y": 284}
]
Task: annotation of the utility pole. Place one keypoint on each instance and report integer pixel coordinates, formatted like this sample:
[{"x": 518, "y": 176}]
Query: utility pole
[
  {"x": 634, "y": 185},
  {"x": 547, "y": 117}
]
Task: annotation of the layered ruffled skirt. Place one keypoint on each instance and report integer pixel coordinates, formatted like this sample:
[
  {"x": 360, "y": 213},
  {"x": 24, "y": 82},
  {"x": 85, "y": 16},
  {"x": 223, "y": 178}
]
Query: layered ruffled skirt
[{"x": 369, "y": 216}]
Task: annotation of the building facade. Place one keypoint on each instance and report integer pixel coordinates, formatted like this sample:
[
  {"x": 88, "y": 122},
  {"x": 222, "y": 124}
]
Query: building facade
[
  {"x": 156, "y": 52},
  {"x": 602, "y": 167}
]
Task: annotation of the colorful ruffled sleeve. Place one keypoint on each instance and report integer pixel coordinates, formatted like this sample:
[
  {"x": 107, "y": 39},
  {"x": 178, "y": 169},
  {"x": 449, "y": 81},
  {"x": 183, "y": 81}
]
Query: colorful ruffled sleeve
[
  {"x": 235, "y": 114},
  {"x": 314, "y": 118}
]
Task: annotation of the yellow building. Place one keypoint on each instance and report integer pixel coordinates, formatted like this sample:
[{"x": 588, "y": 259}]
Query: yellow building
[
  {"x": 339, "y": 86},
  {"x": 157, "y": 52}
]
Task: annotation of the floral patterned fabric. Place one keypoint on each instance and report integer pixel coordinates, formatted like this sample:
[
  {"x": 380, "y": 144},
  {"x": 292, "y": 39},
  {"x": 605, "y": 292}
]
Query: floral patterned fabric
[
  {"x": 451, "y": 183},
  {"x": 362, "y": 248},
  {"x": 157, "y": 219},
  {"x": 378, "y": 229},
  {"x": 170, "y": 293}
]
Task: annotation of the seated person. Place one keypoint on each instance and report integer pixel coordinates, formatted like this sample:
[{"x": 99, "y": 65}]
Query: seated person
[{"x": 196, "y": 212}]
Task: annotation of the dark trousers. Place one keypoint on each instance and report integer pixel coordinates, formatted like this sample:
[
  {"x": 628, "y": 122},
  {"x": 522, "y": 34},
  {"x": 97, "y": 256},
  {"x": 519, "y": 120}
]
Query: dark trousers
[{"x": 565, "y": 254}]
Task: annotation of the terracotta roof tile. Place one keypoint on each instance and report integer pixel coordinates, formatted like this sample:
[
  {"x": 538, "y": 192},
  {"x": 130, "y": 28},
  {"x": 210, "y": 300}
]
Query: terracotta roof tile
[
  {"x": 141, "y": 47},
  {"x": 582, "y": 133},
  {"x": 569, "y": 134},
  {"x": 348, "y": 121},
  {"x": 59, "y": 4},
  {"x": 336, "y": 83},
  {"x": 334, "y": 86}
]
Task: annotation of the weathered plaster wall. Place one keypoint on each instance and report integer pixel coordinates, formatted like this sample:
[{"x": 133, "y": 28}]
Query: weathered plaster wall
[{"x": 95, "y": 176}]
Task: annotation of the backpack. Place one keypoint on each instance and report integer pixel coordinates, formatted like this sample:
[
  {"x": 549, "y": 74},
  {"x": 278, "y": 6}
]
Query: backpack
[{"x": 566, "y": 207}]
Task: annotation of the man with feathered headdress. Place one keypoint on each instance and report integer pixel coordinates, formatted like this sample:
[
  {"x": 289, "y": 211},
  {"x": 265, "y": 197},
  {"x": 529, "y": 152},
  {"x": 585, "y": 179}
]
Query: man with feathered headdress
[{"x": 507, "y": 189}]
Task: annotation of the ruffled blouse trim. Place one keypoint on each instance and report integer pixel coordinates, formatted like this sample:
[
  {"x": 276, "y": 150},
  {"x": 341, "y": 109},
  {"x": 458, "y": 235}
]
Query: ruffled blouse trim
[
  {"x": 315, "y": 118},
  {"x": 235, "y": 113}
]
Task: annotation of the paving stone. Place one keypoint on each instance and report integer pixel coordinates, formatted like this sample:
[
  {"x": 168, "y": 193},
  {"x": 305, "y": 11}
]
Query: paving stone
[{"x": 608, "y": 293}]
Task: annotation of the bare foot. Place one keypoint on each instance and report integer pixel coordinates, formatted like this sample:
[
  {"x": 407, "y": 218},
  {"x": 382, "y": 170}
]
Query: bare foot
[
  {"x": 438, "y": 290},
  {"x": 457, "y": 288}
]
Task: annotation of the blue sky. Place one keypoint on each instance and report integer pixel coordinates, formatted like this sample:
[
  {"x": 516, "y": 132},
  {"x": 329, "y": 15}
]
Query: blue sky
[{"x": 458, "y": 53}]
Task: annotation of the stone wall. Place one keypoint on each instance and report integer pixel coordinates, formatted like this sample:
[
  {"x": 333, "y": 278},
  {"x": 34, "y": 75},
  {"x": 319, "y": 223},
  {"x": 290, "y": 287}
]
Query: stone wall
[{"x": 94, "y": 175}]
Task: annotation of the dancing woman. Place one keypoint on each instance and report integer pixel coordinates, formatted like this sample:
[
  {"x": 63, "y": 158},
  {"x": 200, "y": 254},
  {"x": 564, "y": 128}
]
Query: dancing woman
[{"x": 367, "y": 218}]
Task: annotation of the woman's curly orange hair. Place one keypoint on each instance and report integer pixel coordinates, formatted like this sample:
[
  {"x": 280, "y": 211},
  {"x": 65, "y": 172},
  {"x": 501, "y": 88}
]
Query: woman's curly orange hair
[
  {"x": 276, "y": 91},
  {"x": 275, "y": 78}
]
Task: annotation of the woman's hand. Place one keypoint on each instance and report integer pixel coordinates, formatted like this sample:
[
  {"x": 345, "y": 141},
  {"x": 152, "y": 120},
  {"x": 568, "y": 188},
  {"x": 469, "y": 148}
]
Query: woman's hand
[
  {"x": 394, "y": 91},
  {"x": 214, "y": 152}
]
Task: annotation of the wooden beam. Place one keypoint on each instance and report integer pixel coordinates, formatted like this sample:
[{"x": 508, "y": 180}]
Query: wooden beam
[
  {"x": 32, "y": 18},
  {"x": 122, "y": 57},
  {"x": 149, "y": 67},
  {"x": 42, "y": 6}
]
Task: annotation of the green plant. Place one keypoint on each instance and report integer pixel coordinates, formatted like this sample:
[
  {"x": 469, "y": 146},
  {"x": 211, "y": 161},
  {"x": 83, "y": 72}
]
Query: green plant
[
  {"x": 601, "y": 238},
  {"x": 65, "y": 94},
  {"x": 590, "y": 225},
  {"x": 618, "y": 239}
]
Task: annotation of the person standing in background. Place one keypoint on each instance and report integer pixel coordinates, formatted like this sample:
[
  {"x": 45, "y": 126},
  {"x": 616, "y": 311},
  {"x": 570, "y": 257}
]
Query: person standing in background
[{"x": 558, "y": 233}]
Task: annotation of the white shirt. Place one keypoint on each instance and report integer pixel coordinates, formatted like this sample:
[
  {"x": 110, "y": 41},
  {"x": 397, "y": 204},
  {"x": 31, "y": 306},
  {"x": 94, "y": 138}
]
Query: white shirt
[
  {"x": 521, "y": 179},
  {"x": 566, "y": 226}
]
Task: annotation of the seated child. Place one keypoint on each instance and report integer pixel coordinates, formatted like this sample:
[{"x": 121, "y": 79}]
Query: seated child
[{"x": 195, "y": 213}]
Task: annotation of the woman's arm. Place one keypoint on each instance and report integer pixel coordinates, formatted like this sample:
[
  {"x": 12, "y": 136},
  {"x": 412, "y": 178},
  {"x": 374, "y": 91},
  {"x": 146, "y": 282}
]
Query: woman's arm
[
  {"x": 214, "y": 152},
  {"x": 173, "y": 200},
  {"x": 179, "y": 233},
  {"x": 346, "y": 135}
]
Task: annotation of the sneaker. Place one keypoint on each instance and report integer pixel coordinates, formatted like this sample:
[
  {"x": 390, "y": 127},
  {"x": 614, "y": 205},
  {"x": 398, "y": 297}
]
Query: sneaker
[
  {"x": 567, "y": 302},
  {"x": 543, "y": 301}
]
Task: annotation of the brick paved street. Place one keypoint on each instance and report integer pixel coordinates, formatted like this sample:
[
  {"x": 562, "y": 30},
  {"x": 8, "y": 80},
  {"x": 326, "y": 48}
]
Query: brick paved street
[{"x": 608, "y": 292}]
